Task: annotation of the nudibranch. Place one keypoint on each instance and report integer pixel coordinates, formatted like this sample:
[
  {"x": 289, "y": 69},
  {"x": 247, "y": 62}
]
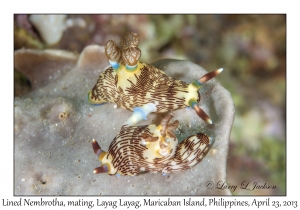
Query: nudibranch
[
  {"x": 151, "y": 148},
  {"x": 130, "y": 83}
]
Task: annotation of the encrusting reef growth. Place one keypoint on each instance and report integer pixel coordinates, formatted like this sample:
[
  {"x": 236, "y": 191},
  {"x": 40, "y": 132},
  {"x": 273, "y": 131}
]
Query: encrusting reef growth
[
  {"x": 55, "y": 126},
  {"x": 144, "y": 89}
]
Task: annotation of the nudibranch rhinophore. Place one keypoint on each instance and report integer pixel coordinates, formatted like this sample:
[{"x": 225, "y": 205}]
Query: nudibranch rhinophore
[
  {"x": 151, "y": 148},
  {"x": 130, "y": 83}
]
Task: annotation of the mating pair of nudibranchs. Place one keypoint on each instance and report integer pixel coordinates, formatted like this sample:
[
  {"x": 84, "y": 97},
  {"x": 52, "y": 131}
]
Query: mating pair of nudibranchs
[{"x": 144, "y": 89}]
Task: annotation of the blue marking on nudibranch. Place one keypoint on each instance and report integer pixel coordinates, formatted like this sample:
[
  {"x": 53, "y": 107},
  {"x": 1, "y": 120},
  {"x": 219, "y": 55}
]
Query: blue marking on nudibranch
[
  {"x": 188, "y": 108},
  {"x": 125, "y": 62},
  {"x": 115, "y": 65},
  {"x": 143, "y": 159},
  {"x": 88, "y": 98},
  {"x": 141, "y": 111},
  {"x": 99, "y": 104},
  {"x": 211, "y": 140},
  {"x": 193, "y": 103},
  {"x": 131, "y": 68},
  {"x": 197, "y": 84}
]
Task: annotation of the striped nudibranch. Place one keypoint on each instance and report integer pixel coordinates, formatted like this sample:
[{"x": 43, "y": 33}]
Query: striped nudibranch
[
  {"x": 130, "y": 83},
  {"x": 151, "y": 148}
]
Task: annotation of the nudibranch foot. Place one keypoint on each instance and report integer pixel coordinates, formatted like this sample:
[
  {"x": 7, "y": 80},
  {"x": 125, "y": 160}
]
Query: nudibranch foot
[
  {"x": 95, "y": 102},
  {"x": 151, "y": 148}
]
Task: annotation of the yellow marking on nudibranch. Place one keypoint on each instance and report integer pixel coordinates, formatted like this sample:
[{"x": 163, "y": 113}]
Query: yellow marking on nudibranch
[
  {"x": 101, "y": 156},
  {"x": 128, "y": 156},
  {"x": 142, "y": 88},
  {"x": 124, "y": 76},
  {"x": 130, "y": 83},
  {"x": 193, "y": 94}
]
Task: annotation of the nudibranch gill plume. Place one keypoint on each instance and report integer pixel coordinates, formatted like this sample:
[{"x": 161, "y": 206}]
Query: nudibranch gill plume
[
  {"x": 130, "y": 83},
  {"x": 151, "y": 148}
]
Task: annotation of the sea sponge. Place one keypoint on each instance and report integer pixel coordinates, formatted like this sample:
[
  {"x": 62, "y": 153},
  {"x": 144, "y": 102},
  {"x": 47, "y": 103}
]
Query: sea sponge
[{"x": 53, "y": 154}]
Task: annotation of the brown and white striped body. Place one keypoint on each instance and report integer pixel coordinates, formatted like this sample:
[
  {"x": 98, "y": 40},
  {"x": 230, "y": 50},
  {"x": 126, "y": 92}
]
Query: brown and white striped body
[
  {"x": 149, "y": 85},
  {"x": 130, "y": 83},
  {"x": 130, "y": 153}
]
